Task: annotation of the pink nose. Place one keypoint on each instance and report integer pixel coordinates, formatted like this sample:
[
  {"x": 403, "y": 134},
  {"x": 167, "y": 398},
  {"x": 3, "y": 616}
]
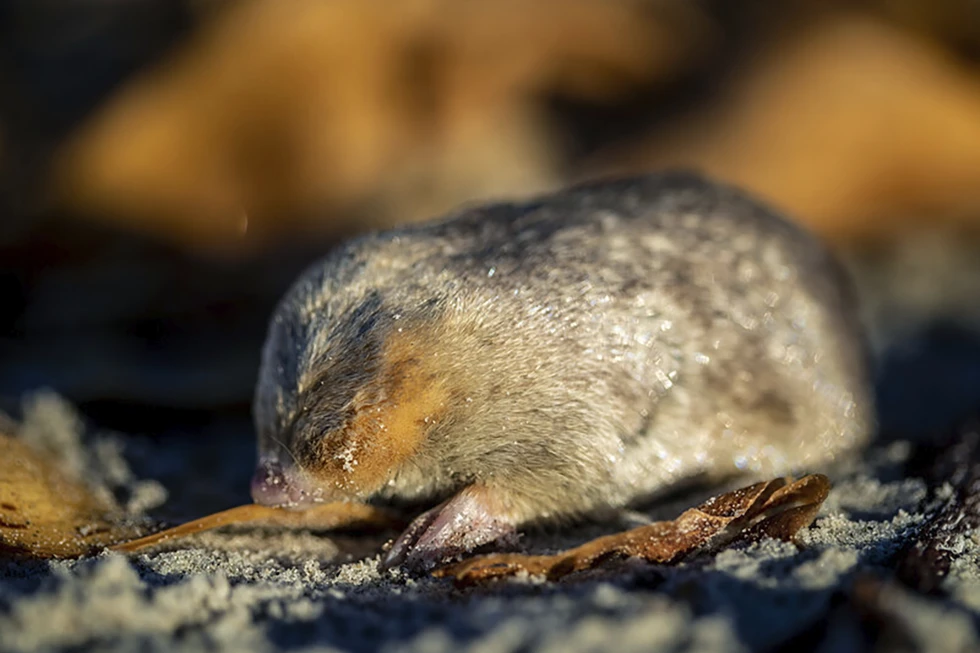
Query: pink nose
[{"x": 274, "y": 486}]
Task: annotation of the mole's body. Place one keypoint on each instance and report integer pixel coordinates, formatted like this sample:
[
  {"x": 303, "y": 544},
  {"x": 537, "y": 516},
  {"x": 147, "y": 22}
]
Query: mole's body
[{"x": 550, "y": 359}]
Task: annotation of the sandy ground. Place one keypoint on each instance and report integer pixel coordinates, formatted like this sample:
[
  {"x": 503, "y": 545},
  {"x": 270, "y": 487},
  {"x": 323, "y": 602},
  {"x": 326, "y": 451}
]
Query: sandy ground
[{"x": 262, "y": 590}]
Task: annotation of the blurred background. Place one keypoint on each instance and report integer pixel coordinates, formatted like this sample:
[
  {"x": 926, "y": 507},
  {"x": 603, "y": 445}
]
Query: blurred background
[{"x": 167, "y": 167}]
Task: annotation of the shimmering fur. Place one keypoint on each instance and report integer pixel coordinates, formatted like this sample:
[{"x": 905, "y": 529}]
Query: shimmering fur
[{"x": 600, "y": 345}]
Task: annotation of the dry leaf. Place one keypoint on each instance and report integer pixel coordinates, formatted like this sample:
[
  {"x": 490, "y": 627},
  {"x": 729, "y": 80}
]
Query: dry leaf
[
  {"x": 775, "y": 508},
  {"x": 46, "y": 514},
  {"x": 326, "y": 516}
]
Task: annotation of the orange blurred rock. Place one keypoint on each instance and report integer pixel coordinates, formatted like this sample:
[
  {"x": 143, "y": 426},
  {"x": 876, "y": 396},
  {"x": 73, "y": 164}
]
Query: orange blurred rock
[
  {"x": 284, "y": 115},
  {"x": 856, "y": 128}
]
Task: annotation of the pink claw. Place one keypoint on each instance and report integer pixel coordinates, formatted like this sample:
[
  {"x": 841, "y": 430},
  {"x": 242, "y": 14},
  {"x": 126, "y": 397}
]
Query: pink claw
[{"x": 470, "y": 519}]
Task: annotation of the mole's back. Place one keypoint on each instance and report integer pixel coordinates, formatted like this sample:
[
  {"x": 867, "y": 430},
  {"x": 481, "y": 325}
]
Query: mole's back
[{"x": 600, "y": 344}]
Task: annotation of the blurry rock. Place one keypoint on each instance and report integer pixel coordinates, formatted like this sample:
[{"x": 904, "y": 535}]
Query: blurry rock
[
  {"x": 854, "y": 127},
  {"x": 59, "y": 60},
  {"x": 955, "y": 23},
  {"x": 281, "y": 112}
]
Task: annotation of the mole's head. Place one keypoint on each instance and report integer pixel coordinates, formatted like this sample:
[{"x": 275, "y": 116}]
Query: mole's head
[{"x": 344, "y": 400}]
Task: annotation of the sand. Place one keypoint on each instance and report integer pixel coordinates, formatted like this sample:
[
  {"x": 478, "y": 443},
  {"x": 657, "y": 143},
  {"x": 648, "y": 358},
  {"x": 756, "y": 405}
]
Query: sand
[{"x": 265, "y": 590}]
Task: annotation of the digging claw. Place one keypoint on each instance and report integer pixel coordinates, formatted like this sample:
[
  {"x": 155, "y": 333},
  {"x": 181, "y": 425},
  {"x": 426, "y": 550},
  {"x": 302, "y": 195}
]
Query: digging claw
[
  {"x": 470, "y": 519},
  {"x": 398, "y": 553}
]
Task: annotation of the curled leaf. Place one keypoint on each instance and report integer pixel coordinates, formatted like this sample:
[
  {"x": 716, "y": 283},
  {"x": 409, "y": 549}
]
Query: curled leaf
[
  {"x": 777, "y": 508},
  {"x": 326, "y": 516}
]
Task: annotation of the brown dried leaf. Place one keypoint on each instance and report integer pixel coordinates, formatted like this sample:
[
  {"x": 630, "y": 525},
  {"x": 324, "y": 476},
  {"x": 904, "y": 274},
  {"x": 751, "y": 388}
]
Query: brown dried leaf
[
  {"x": 774, "y": 508},
  {"x": 46, "y": 514},
  {"x": 326, "y": 516}
]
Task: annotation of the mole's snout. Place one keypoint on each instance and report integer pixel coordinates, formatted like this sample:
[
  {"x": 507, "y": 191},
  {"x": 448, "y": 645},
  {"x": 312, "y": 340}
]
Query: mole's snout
[{"x": 273, "y": 485}]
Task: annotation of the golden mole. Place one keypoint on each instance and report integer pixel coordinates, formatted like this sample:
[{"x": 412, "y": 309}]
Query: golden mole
[{"x": 558, "y": 358}]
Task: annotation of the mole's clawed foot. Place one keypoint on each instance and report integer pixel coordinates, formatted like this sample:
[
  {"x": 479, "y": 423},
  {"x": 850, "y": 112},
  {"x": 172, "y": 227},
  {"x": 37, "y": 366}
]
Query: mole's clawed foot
[
  {"x": 474, "y": 517},
  {"x": 775, "y": 508}
]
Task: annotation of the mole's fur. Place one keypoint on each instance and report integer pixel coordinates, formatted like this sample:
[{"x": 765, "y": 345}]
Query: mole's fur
[{"x": 559, "y": 357}]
